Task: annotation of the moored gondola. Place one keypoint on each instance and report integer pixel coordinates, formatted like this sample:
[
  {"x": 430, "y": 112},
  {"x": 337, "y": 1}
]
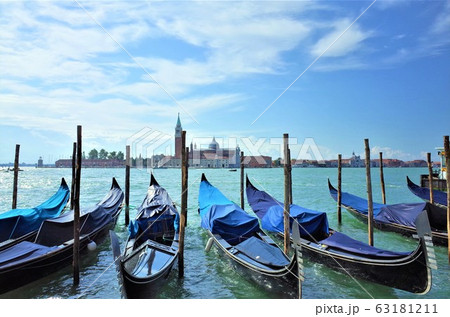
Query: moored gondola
[
  {"x": 240, "y": 239},
  {"x": 52, "y": 248},
  {"x": 18, "y": 225},
  {"x": 151, "y": 250},
  {"x": 399, "y": 218},
  {"x": 409, "y": 271},
  {"x": 439, "y": 197}
]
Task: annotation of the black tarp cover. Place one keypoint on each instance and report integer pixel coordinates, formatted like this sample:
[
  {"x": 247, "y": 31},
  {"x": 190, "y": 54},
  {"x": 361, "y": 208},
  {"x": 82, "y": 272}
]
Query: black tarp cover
[
  {"x": 262, "y": 252},
  {"x": 156, "y": 210}
]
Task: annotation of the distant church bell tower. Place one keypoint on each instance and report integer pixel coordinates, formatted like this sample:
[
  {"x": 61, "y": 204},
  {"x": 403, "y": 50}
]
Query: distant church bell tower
[{"x": 178, "y": 130}]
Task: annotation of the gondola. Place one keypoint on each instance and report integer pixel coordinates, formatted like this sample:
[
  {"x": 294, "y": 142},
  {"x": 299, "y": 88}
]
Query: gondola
[
  {"x": 151, "y": 250},
  {"x": 439, "y": 197},
  {"x": 409, "y": 271},
  {"x": 399, "y": 218},
  {"x": 52, "y": 248},
  {"x": 239, "y": 237},
  {"x": 18, "y": 225}
]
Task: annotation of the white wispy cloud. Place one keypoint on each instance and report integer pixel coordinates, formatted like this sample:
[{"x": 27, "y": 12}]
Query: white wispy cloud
[
  {"x": 349, "y": 42},
  {"x": 389, "y": 153},
  {"x": 60, "y": 68}
]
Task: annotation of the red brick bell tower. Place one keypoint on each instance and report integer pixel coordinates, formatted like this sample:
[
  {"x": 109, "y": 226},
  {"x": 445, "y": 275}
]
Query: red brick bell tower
[{"x": 178, "y": 130}]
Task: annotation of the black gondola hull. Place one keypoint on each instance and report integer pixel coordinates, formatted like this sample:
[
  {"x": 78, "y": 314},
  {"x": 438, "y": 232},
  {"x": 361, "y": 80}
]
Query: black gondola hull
[
  {"x": 150, "y": 287},
  {"x": 410, "y": 273},
  {"x": 280, "y": 283},
  {"x": 14, "y": 277},
  {"x": 148, "y": 280}
]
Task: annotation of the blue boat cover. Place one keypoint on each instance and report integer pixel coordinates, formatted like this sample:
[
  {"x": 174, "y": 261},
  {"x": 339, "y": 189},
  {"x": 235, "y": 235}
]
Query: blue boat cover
[
  {"x": 262, "y": 252},
  {"x": 22, "y": 252},
  {"x": 157, "y": 214},
  {"x": 439, "y": 197},
  {"x": 403, "y": 214},
  {"x": 357, "y": 203},
  {"x": 221, "y": 216},
  {"x": 54, "y": 232},
  {"x": 59, "y": 230},
  {"x": 270, "y": 211},
  {"x": 343, "y": 242},
  {"x": 19, "y": 222}
]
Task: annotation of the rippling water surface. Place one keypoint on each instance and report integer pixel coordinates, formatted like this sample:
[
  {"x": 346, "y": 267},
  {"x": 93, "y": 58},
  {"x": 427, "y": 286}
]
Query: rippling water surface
[{"x": 206, "y": 274}]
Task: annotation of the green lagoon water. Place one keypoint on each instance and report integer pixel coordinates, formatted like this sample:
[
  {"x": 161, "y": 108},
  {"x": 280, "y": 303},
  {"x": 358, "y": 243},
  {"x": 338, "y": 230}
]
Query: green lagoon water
[{"x": 207, "y": 275}]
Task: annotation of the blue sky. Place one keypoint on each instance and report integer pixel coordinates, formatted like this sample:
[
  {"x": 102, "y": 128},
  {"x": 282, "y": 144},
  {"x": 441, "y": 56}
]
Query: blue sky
[{"x": 118, "y": 67}]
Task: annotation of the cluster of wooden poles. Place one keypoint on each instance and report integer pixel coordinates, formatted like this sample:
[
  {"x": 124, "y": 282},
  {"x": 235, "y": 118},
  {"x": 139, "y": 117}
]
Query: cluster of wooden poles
[
  {"x": 383, "y": 193},
  {"x": 75, "y": 198}
]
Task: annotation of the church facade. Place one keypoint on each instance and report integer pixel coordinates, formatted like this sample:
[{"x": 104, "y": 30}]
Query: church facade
[{"x": 211, "y": 157}]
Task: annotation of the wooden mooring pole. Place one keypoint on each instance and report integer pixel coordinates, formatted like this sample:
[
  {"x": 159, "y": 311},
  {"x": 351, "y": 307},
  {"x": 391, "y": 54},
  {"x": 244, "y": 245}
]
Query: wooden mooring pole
[
  {"x": 383, "y": 191},
  {"x": 290, "y": 176},
  {"x": 430, "y": 176},
  {"x": 183, "y": 208},
  {"x": 186, "y": 182},
  {"x": 339, "y": 195},
  {"x": 127, "y": 185},
  {"x": 242, "y": 179},
  {"x": 72, "y": 186},
  {"x": 287, "y": 192},
  {"x": 76, "y": 219},
  {"x": 369, "y": 193},
  {"x": 447, "y": 164},
  {"x": 16, "y": 176}
]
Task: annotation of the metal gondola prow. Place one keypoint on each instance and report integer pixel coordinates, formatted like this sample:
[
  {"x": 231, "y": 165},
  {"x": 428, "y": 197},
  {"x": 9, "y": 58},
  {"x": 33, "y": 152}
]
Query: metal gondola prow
[
  {"x": 424, "y": 233},
  {"x": 298, "y": 254}
]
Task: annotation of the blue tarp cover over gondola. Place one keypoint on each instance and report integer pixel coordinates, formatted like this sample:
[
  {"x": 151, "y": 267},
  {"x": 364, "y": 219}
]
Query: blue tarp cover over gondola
[
  {"x": 403, "y": 214},
  {"x": 270, "y": 211},
  {"x": 54, "y": 232},
  {"x": 221, "y": 216},
  {"x": 358, "y": 203},
  {"x": 343, "y": 242},
  {"x": 59, "y": 230},
  {"x": 22, "y": 252},
  {"x": 18, "y": 222}
]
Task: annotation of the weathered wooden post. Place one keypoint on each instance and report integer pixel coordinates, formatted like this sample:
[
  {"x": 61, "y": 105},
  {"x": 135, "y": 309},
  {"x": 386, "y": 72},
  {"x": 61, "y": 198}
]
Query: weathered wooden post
[
  {"x": 430, "y": 176},
  {"x": 369, "y": 193},
  {"x": 242, "y": 179},
  {"x": 383, "y": 192},
  {"x": 447, "y": 165},
  {"x": 186, "y": 184},
  {"x": 76, "y": 217},
  {"x": 72, "y": 186},
  {"x": 183, "y": 210},
  {"x": 339, "y": 195},
  {"x": 287, "y": 191},
  {"x": 16, "y": 176},
  {"x": 127, "y": 185},
  {"x": 290, "y": 176}
]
